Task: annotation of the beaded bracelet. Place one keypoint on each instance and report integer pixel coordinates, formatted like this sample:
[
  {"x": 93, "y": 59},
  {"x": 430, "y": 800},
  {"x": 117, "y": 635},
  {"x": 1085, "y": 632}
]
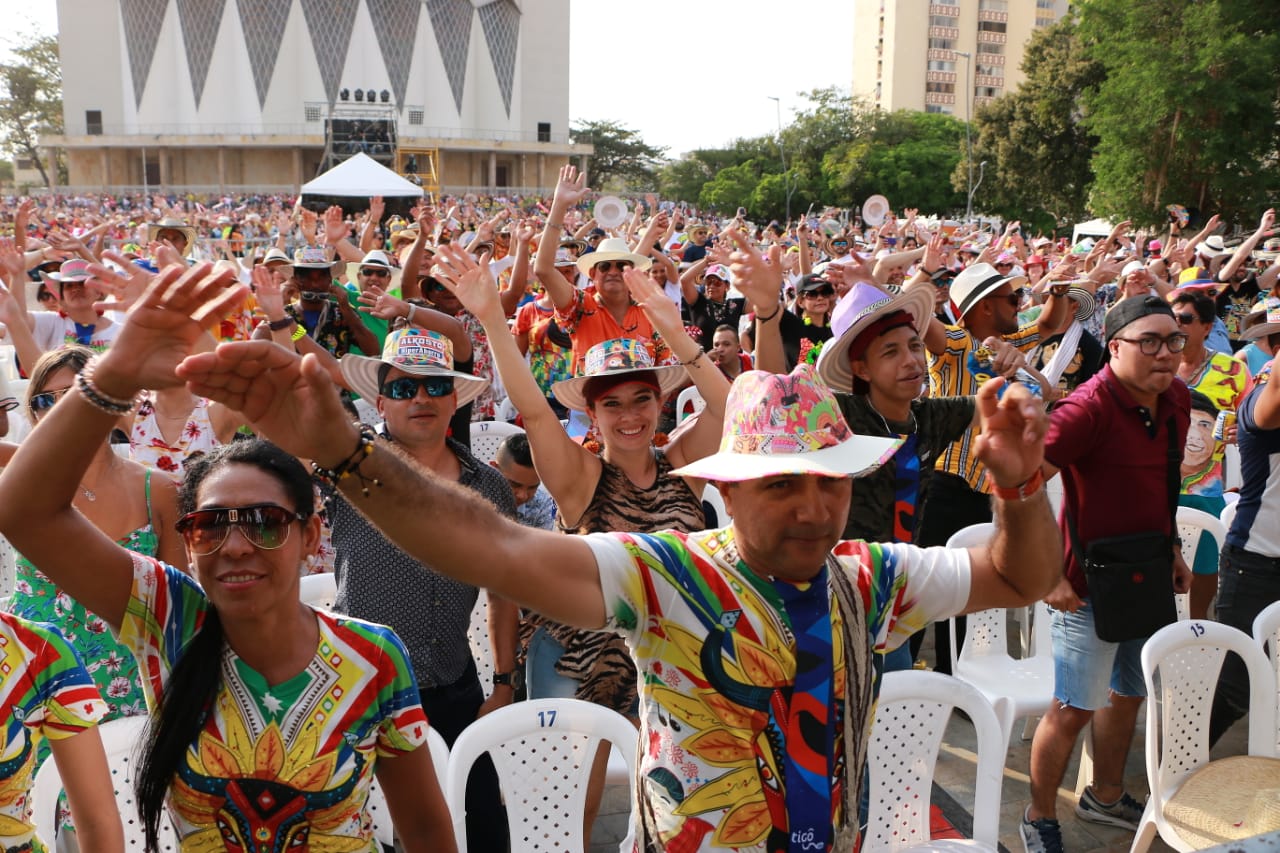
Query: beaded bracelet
[
  {"x": 96, "y": 398},
  {"x": 691, "y": 362},
  {"x": 331, "y": 477}
]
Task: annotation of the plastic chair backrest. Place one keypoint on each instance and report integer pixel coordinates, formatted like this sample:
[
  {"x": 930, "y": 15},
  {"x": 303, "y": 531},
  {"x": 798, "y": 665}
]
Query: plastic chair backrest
[
  {"x": 1266, "y": 633},
  {"x": 1228, "y": 515},
  {"x": 376, "y": 804},
  {"x": 487, "y": 436},
  {"x": 481, "y": 648},
  {"x": 712, "y": 496},
  {"x": 984, "y": 630},
  {"x": 1188, "y": 657},
  {"x": 543, "y": 750},
  {"x": 319, "y": 590},
  {"x": 120, "y": 740},
  {"x": 1232, "y": 476},
  {"x": 1192, "y": 523},
  {"x": 691, "y": 399},
  {"x": 507, "y": 411},
  {"x": 911, "y": 718},
  {"x": 1041, "y": 631}
]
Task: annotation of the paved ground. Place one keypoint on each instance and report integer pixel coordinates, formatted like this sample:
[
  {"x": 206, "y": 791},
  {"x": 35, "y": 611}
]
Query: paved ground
[{"x": 955, "y": 774}]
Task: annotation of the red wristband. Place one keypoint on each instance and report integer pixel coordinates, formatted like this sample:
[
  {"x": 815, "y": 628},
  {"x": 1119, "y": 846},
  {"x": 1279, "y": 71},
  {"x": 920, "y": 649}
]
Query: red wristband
[{"x": 1017, "y": 493}]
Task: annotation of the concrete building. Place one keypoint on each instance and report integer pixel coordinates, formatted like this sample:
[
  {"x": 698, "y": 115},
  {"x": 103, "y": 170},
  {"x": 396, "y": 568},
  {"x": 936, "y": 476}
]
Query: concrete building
[
  {"x": 920, "y": 55},
  {"x": 209, "y": 95}
]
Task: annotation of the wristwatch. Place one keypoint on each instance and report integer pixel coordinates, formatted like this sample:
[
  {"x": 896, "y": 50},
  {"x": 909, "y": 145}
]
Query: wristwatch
[{"x": 513, "y": 679}]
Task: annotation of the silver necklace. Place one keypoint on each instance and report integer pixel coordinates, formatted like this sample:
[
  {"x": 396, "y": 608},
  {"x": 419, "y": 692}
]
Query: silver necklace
[
  {"x": 89, "y": 494},
  {"x": 911, "y": 419}
]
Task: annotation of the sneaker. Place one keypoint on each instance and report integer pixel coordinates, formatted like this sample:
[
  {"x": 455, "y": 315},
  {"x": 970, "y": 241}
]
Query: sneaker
[
  {"x": 1125, "y": 812},
  {"x": 1041, "y": 836}
]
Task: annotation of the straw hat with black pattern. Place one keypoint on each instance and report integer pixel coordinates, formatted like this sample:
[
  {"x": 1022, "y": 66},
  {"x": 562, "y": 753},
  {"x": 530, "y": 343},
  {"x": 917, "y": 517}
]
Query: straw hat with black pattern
[
  {"x": 977, "y": 282},
  {"x": 418, "y": 352},
  {"x": 618, "y": 357},
  {"x": 171, "y": 224}
]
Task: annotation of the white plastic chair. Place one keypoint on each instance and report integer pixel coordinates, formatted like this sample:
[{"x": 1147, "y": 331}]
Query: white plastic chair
[
  {"x": 692, "y": 398},
  {"x": 911, "y": 718},
  {"x": 481, "y": 648},
  {"x": 712, "y": 495},
  {"x": 1191, "y": 523},
  {"x": 1228, "y": 514},
  {"x": 1016, "y": 687},
  {"x": 319, "y": 590},
  {"x": 486, "y": 436},
  {"x": 376, "y": 804},
  {"x": 543, "y": 750},
  {"x": 1180, "y": 664},
  {"x": 1232, "y": 476},
  {"x": 120, "y": 740},
  {"x": 506, "y": 411},
  {"x": 1266, "y": 632}
]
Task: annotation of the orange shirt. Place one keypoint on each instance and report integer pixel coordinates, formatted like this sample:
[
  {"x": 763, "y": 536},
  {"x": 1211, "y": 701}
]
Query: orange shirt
[{"x": 587, "y": 323}]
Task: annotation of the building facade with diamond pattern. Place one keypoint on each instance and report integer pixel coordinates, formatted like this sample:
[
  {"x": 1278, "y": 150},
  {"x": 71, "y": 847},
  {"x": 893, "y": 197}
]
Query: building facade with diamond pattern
[{"x": 236, "y": 94}]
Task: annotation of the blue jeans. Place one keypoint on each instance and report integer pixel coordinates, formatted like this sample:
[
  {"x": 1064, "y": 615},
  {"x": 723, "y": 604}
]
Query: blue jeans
[
  {"x": 540, "y": 676},
  {"x": 1085, "y": 666}
]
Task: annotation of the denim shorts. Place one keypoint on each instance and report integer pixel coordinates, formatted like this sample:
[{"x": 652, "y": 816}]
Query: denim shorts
[
  {"x": 541, "y": 679},
  {"x": 1084, "y": 667}
]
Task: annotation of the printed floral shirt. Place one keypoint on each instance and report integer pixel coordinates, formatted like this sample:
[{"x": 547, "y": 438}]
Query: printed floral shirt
[
  {"x": 47, "y": 695},
  {"x": 278, "y": 767},
  {"x": 588, "y": 323},
  {"x": 484, "y": 406},
  {"x": 548, "y": 361},
  {"x": 708, "y": 769},
  {"x": 148, "y": 446}
]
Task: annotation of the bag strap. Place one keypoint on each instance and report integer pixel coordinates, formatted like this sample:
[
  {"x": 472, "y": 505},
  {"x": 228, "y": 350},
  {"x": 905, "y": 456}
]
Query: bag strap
[{"x": 1173, "y": 464}]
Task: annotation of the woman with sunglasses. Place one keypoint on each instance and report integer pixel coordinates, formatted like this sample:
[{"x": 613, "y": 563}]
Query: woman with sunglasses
[
  {"x": 628, "y": 486},
  {"x": 269, "y": 717},
  {"x": 804, "y": 331}
]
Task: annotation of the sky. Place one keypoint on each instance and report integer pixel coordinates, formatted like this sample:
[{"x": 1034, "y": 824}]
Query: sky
[{"x": 689, "y": 73}]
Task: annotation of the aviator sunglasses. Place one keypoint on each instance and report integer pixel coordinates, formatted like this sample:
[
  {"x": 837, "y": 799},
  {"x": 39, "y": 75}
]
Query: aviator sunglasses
[{"x": 266, "y": 526}]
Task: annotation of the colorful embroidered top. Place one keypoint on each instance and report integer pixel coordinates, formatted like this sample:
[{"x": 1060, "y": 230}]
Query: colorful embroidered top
[
  {"x": 148, "y": 446},
  {"x": 959, "y": 372},
  {"x": 712, "y": 644},
  {"x": 284, "y": 766},
  {"x": 548, "y": 361},
  {"x": 46, "y": 694}
]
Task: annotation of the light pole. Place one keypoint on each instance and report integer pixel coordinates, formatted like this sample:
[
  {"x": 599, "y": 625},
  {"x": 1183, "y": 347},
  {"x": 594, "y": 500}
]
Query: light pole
[
  {"x": 982, "y": 171},
  {"x": 782, "y": 155},
  {"x": 968, "y": 120}
]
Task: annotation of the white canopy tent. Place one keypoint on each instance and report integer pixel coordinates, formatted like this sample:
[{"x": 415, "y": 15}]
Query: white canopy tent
[{"x": 361, "y": 176}]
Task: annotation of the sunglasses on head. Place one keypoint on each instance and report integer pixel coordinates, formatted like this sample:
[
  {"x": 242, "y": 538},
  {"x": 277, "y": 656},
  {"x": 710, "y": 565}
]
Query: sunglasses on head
[
  {"x": 606, "y": 266},
  {"x": 43, "y": 402},
  {"x": 406, "y": 387},
  {"x": 266, "y": 526},
  {"x": 380, "y": 272}
]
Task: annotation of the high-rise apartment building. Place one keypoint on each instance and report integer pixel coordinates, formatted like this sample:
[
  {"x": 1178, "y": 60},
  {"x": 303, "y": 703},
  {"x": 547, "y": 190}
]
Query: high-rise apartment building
[{"x": 921, "y": 55}]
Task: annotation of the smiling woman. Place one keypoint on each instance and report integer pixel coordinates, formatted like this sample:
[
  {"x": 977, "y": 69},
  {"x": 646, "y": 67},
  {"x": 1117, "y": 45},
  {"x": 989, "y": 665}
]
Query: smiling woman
[{"x": 270, "y": 718}]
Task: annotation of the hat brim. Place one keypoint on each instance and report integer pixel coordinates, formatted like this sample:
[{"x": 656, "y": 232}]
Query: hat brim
[
  {"x": 982, "y": 293},
  {"x": 833, "y": 362},
  {"x": 73, "y": 279},
  {"x": 353, "y": 270},
  {"x": 153, "y": 232},
  {"x": 361, "y": 373},
  {"x": 589, "y": 260},
  {"x": 321, "y": 266},
  {"x": 571, "y": 392},
  {"x": 1260, "y": 330},
  {"x": 1086, "y": 304},
  {"x": 856, "y": 457}
]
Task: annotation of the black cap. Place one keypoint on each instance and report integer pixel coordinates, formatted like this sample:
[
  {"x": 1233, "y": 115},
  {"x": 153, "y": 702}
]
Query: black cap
[
  {"x": 1134, "y": 308},
  {"x": 811, "y": 282}
]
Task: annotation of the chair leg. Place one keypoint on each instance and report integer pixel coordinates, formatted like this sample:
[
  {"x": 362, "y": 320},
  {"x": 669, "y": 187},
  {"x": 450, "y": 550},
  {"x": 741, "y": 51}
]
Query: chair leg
[
  {"x": 1146, "y": 831},
  {"x": 1029, "y": 727},
  {"x": 1085, "y": 775}
]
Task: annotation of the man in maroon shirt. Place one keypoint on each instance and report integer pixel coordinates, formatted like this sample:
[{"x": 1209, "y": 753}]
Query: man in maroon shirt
[{"x": 1110, "y": 439}]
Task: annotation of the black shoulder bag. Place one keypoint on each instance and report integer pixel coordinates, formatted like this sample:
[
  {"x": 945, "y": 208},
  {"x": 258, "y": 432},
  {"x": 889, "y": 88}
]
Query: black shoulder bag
[{"x": 1131, "y": 577}]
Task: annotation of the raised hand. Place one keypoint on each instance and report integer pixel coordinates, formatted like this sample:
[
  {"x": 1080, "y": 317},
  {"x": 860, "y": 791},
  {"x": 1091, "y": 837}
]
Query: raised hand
[
  {"x": 128, "y": 286},
  {"x": 571, "y": 188},
  {"x": 268, "y": 292},
  {"x": 1011, "y": 443},
  {"x": 378, "y": 303},
  {"x": 756, "y": 278},
  {"x": 472, "y": 283},
  {"x": 307, "y": 224},
  {"x": 336, "y": 228},
  {"x": 377, "y": 206},
  {"x": 657, "y": 306},
  {"x": 21, "y": 219},
  {"x": 164, "y": 253},
  {"x": 1268, "y": 220},
  {"x": 163, "y": 326},
  {"x": 12, "y": 262},
  {"x": 934, "y": 253}
]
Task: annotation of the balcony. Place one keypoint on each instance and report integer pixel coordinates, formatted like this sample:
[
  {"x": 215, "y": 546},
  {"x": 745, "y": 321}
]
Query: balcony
[
  {"x": 944, "y": 32},
  {"x": 992, "y": 15},
  {"x": 940, "y": 98},
  {"x": 945, "y": 10},
  {"x": 940, "y": 77},
  {"x": 981, "y": 101},
  {"x": 939, "y": 53},
  {"x": 984, "y": 80},
  {"x": 992, "y": 38}
]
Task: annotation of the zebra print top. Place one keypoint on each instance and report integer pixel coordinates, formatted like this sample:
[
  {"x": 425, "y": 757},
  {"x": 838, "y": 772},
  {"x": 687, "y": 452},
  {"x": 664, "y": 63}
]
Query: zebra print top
[{"x": 600, "y": 660}]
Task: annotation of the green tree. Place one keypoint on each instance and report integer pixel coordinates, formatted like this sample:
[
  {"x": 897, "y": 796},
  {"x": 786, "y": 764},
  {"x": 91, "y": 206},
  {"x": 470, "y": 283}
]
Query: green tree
[
  {"x": 1037, "y": 151},
  {"x": 31, "y": 99},
  {"x": 905, "y": 156},
  {"x": 1188, "y": 110},
  {"x": 622, "y": 160}
]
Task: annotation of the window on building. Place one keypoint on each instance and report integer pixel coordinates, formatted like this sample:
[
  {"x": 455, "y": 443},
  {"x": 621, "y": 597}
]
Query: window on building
[
  {"x": 415, "y": 115},
  {"x": 942, "y": 44},
  {"x": 942, "y": 65},
  {"x": 941, "y": 21},
  {"x": 22, "y": 164},
  {"x": 988, "y": 47},
  {"x": 985, "y": 91},
  {"x": 93, "y": 122},
  {"x": 311, "y": 112},
  {"x": 544, "y": 131},
  {"x": 1045, "y": 4},
  {"x": 994, "y": 5},
  {"x": 992, "y": 26},
  {"x": 934, "y": 108},
  {"x": 948, "y": 88}
]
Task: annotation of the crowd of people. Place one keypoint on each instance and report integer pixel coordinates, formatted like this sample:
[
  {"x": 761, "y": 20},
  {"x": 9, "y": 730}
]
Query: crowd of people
[{"x": 220, "y": 399}]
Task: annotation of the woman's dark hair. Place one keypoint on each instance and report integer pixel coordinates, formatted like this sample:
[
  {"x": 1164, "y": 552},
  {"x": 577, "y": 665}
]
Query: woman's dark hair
[{"x": 194, "y": 682}]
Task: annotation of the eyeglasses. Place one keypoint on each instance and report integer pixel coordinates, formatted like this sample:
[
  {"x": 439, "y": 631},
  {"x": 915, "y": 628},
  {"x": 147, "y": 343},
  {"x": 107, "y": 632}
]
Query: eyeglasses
[
  {"x": 266, "y": 526},
  {"x": 821, "y": 291},
  {"x": 44, "y": 401},
  {"x": 313, "y": 295},
  {"x": 380, "y": 272},
  {"x": 606, "y": 266},
  {"x": 1004, "y": 266},
  {"x": 406, "y": 387},
  {"x": 1185, "y": 319},
  {"x": 1014, "y": 299},
  {"x": 1150, "y": 345},
  {"x": 430, "y": 284}
]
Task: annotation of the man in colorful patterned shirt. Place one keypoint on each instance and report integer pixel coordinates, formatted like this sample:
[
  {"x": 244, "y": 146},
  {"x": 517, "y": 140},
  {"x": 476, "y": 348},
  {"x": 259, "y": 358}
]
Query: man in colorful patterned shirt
[{"x": 754, "y": 641}]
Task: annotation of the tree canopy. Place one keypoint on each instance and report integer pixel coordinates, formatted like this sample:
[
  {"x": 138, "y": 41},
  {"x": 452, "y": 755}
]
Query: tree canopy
[
  {"x": 31, "y": 98},
  {"x": 622, "y": 160}
]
